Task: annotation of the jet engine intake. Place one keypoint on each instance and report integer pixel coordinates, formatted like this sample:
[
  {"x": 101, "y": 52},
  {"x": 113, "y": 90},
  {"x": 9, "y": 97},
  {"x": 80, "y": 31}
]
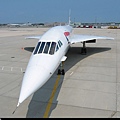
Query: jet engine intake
[{"x": 91, "y": 41}]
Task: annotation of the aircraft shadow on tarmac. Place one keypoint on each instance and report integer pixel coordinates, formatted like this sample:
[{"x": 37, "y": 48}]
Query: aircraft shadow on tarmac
[
  {"x": 30, "y": 49},
  {"x": 37, "y": 105}
]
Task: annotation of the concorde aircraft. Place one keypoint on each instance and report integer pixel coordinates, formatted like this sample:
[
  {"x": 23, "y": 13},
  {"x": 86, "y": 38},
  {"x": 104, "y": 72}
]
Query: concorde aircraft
[{"x": 48, "y": 54}]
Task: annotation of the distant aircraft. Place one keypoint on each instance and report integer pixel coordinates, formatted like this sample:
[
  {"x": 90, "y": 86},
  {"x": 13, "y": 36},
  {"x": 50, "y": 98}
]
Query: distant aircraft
[
  {"x": 20, "y": 24},
  {"x": 14, "y": 25},
  {"x": 48, "y": 55}
]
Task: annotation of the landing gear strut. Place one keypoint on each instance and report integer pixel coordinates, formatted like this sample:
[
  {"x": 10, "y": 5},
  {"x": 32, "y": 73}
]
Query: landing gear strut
[
  {"x": 84, "y": 50},
  {"x": 61, "y": 71}
]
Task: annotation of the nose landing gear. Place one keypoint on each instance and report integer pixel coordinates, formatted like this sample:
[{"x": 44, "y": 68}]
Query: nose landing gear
[{"x": 61, "y": 71}]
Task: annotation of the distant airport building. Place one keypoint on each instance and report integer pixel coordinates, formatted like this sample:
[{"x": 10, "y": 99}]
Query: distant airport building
[{"x": 111, "y": 25}]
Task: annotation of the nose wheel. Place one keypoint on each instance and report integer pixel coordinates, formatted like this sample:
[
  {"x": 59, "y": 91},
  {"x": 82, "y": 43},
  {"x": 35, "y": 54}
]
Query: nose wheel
[{"x": 61, "y": 71}]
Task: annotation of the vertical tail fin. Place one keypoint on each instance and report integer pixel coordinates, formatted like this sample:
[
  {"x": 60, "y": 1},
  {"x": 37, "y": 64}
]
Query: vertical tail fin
[{"x": 70, "y": 17}]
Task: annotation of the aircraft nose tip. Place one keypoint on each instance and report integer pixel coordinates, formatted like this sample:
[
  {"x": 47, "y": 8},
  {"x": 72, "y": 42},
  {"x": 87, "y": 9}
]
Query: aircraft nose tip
[{"x": 34, "y": 78}]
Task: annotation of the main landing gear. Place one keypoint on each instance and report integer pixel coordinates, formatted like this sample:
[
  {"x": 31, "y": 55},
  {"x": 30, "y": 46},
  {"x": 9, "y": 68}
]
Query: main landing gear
[
  {"x": 61, "y": 71},
  {"x": 84, "y": 50}
]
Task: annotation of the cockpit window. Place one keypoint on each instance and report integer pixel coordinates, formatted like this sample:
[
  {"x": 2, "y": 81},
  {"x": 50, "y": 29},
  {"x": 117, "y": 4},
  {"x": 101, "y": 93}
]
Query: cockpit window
[
  {"x": 41, "y": 48},
  {"x": 57, "y": 48},
  {"x": 36, "y": 50},
  {"x": 60, "y": 43},
  {"x": 52, "y": 49},
  {"x": 47, "y": 47}
]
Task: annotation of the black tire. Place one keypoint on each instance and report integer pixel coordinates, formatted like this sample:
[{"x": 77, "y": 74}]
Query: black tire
[
  {"x": 63, "y": 72},
  {"x": 59, "y": 72}
]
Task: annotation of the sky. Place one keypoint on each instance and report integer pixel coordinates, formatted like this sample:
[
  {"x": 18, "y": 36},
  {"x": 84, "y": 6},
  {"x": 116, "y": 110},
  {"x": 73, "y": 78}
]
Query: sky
[{"x": 38, "y": 11}]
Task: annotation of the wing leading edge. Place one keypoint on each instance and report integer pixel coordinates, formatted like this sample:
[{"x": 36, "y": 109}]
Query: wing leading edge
[{"x": 83, "y": 38}]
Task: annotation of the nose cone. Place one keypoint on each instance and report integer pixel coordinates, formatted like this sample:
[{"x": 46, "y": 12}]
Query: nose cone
[{"x": 34, "y": 78}]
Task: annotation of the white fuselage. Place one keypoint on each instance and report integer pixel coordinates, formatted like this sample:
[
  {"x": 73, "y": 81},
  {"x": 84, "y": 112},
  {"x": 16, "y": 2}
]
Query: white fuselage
[
  {"x": 47, "y": 56},
  {"x": 45, "y": 59}
]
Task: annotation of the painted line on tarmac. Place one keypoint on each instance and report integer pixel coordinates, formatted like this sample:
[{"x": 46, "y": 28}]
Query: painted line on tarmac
[
  {"x": 47, "y": 111},
  {"x": 71, "y": 73}
]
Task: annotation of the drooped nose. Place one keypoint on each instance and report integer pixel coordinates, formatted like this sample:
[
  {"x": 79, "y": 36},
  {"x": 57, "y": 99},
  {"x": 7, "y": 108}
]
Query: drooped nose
[{"x": 34, "y": 78}]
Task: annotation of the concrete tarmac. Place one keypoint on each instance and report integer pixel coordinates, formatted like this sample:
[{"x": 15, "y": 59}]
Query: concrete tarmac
[{"x": 89, "y": 89}]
